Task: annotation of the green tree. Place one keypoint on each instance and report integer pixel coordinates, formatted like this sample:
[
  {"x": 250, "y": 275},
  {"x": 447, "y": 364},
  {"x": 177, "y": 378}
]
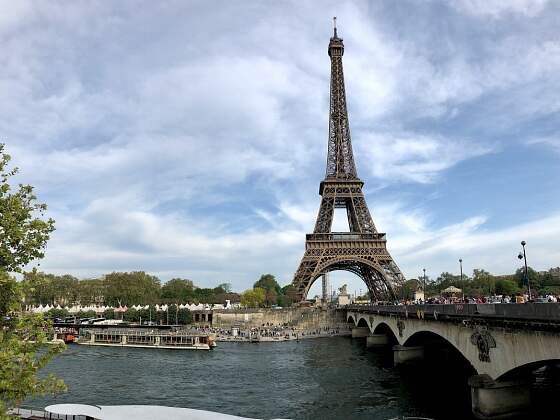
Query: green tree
[
  {"x": 90, "y": 291},
  {"x": 177, "y": 290},
  {"x": 483, "y": 282},
  {"x": 179, "y": 316},
  {"x": 506, "y": 287},
  {"x": 204, "y": 295},
  {"x": 408, "y": 288},
  {"x": 37, "y": 288},
  {"x": 131, "y": 315},
  {"x": 185, "y": 316},
  {"x": 286, "y": 296},
  {"x": 86, "y": 314},
  {"x": 226, "y": 287},
  {"x": 57, "y": 313},
  {"x": 109, "y": 314},
  {"x": 447, "y": 279},
  {"x": 50, "y": 289},
  {"x": 253, "y": 298},
  {"x": 534, "y": 278},
  {"x": 134, "y": 288},
  {"x": 24, "y": 232},
  {"x": 23, "y": 336},
  {"x": 272, "y": 289},
  {"x": 23, "y": 349}
]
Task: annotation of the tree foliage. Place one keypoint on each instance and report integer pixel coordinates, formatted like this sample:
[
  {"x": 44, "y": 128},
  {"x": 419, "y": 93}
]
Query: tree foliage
[
  {"x": 177, "y": 290},
  {"x": 118, "y": 288},
  {"x": 253, "y": 298},
  {"x": 408, "y": 289},
  {"x": 134, "y": 288},
  {"x": 482, "y": 283},
  {"x": 43, "y": 288},
  {"x": 24, "y": 234},
  {"x": 272, "y": 289},
  {"x": 23, "y": 349},
  {"x": 23, "y": 336}
]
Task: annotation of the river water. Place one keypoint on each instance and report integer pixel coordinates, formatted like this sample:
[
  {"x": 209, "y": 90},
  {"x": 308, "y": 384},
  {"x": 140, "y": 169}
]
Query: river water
[{"x": 323, "y": 378}]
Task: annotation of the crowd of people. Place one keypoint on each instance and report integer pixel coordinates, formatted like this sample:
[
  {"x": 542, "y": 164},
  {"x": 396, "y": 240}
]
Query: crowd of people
[
  {"x": 521, "y": 298},
  {"x": 270, "y": 332}
]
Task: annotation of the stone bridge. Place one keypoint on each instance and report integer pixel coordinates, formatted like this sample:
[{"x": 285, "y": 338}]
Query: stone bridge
[{"x": 501, "y": 343}]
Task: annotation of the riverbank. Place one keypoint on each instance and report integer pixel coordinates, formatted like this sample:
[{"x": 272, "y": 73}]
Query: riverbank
[
  {"x": 303, "y": 335},
  {"x": 273, "y": 333}
]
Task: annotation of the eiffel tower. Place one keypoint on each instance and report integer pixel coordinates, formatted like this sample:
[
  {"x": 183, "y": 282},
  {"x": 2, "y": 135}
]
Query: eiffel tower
[{"x": 362, "y": 250}]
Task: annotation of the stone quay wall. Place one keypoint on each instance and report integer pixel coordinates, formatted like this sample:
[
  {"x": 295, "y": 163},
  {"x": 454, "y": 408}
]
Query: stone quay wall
[{"x": 304, "y": 318}]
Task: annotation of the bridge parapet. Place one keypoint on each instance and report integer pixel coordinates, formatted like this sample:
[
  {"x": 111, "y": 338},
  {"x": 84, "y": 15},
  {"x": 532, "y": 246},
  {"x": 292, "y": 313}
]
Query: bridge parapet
[{"x": 543, "y": 314}]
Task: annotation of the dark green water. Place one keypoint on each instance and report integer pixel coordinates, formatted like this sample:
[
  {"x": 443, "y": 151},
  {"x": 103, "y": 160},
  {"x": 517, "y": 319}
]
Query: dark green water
[{"x": 330, "y": 378}]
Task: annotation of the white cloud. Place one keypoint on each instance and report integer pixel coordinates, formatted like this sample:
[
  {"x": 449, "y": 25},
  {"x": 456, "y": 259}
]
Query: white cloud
[
  {"x": 414, "y": 157},
  {"x": 493, "y": 249},
  {"x": 501, "y": 8},
  {"x": 552, "y": 142}
]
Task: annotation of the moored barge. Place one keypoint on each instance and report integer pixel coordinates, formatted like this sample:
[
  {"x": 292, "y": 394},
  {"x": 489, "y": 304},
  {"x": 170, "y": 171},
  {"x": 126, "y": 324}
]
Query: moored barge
[{"x": 121, "y": 337}]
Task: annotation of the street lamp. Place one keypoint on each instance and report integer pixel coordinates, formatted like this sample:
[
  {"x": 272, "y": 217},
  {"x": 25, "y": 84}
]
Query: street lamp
[
  {"x": 462, "y": 285},
  {"x": 424, "y": 283},
  {"x": 523, "y": 256}
]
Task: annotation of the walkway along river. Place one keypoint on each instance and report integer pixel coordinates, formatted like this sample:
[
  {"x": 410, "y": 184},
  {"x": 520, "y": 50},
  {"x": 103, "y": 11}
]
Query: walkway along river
[{"x": 327, "y": 378}]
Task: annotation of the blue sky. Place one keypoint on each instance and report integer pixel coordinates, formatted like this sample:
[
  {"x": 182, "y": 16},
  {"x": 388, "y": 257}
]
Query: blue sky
[{"x": 189, "y": 138}]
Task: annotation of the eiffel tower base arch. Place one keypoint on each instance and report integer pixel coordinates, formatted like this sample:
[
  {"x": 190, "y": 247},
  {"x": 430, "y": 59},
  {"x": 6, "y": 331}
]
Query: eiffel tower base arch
[{"x": 367, "y": 258}]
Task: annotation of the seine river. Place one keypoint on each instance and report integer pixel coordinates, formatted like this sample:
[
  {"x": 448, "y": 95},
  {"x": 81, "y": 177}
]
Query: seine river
[{"x": 324, "y": 378}]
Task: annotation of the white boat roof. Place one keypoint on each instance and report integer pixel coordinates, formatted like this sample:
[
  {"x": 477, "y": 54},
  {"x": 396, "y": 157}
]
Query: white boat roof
[{"x": 138, "y": 412}]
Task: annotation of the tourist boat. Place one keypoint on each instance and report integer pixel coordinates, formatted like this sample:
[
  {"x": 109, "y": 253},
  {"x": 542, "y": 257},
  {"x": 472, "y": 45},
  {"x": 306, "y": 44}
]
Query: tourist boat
[{"x": 128, "y": 337}]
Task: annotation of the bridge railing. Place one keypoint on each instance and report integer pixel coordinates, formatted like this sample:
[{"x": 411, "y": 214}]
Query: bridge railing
[{"x": 545, "y": 312}]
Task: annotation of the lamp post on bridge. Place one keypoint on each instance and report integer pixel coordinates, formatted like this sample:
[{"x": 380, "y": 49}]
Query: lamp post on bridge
[
  {"x": 462, "y": 285},
  {"x": 523, "y": 256},
  {"x": 425, "y": 294}
]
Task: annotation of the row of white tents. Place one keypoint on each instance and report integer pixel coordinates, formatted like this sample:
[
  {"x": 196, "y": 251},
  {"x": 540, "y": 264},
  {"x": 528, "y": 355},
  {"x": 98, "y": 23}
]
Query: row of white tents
[{"x": 100, "y": 309}]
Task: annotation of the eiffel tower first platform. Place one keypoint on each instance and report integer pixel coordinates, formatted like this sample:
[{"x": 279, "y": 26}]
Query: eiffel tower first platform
[{"x": 363, "y": 249}]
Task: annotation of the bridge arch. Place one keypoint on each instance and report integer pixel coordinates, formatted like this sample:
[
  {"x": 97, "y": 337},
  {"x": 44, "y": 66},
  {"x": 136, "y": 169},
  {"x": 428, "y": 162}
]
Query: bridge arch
[
  {"x": 528, "y": 369},
  {"x": 371, "y": 273},
  {"x": 384, "y": 328},
  {"x": 362, "y": 323},
  {"x": 437, "y": 345},
  {"x": 350, "y": 319}
]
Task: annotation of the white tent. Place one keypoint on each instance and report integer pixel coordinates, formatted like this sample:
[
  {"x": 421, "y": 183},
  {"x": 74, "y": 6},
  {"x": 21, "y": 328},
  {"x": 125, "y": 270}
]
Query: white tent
[{"x": 451, "y": 289}]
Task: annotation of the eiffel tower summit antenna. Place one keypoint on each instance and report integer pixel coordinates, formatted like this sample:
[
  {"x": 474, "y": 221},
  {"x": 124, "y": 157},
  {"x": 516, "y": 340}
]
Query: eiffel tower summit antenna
[{"x": 362, "y": 250}]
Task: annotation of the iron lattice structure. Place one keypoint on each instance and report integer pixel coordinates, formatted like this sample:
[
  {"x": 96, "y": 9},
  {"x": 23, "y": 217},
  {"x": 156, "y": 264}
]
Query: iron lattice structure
[{"x": 362, "y": 250}]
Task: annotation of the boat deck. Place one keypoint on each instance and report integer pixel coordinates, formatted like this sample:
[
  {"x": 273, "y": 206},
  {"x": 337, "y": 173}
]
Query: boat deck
[{"x": 121, "y": 337}]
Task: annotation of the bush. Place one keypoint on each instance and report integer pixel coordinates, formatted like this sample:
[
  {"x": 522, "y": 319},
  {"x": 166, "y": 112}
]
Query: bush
[
  {"x": 86, "y": 314},
  {"x": 131, "y": 315},
  {"x": 57, "y": 313},
  {"x": 109, "y": 314}
]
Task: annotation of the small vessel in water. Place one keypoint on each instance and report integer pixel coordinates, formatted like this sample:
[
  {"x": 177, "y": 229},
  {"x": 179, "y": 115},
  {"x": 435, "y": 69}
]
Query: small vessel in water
[{"x": 133, "y": 337}]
